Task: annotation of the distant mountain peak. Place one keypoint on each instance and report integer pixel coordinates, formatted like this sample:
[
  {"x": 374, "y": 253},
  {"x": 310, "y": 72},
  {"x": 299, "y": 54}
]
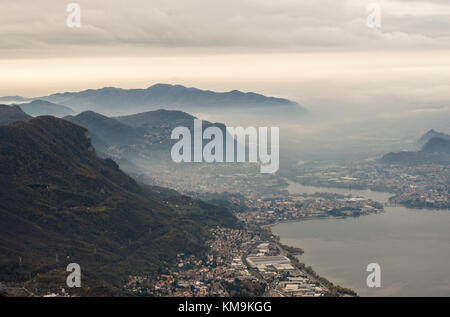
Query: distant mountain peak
[
  {"x": 433, "y": 134},
  {"x": 90, "y": 113},
  {"x": 435, "y": 150},
  {"x": 155, "y": 118},
  {"x": 163, "y": 85},
  {"x": 39, "y": 107},
  {"x": 13, "y": 99},
  {"x": 37, "y": 101},
  {"x": 107, "y": 129}
]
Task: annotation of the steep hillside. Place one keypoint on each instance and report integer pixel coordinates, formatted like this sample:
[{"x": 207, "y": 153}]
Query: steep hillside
[{"x": 60, "y": 203}]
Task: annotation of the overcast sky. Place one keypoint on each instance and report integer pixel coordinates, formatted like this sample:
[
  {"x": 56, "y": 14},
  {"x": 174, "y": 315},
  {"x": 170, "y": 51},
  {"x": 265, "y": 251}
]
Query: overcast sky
[
  {"x": 30, "y": 28},
  {"x": 312, "y": 51}
]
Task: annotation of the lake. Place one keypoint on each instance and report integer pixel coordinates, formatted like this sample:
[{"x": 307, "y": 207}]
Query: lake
[{"x": 412, "y": 247}]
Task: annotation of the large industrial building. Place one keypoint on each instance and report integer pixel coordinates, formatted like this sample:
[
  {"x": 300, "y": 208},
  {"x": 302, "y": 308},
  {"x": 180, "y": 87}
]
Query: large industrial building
[{"x": 255, "y": 261}]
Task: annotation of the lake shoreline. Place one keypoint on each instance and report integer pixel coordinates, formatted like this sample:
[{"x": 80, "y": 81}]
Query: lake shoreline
[{"x": 403, "y": 240}]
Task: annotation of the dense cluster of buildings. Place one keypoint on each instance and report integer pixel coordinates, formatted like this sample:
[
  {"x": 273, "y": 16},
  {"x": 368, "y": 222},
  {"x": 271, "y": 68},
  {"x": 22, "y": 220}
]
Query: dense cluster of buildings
[
  {"x": 425, "y": 185},
  {"x": 263, "y": 211},
  {"x": 437, "y": 198},
  {"x": 233, "y": 254},
  {"x": 205, "y": 276}
]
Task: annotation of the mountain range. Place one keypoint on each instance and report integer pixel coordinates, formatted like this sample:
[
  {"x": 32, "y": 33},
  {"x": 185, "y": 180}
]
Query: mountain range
[
  {"x": 117, "y": 101},
  {"x": 144, "y": 136},
  {"x": 60, "y": 203}
]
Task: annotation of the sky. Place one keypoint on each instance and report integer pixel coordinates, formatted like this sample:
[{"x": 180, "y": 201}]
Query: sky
[{"x": 316, "y": 52}]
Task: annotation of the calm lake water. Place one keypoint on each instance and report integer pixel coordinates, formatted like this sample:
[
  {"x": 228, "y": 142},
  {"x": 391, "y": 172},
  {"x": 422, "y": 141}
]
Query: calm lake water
[{"x": 412, "y": 247}]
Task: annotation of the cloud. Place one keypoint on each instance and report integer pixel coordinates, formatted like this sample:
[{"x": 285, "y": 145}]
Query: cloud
[{"x": 31, "y": 28}]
